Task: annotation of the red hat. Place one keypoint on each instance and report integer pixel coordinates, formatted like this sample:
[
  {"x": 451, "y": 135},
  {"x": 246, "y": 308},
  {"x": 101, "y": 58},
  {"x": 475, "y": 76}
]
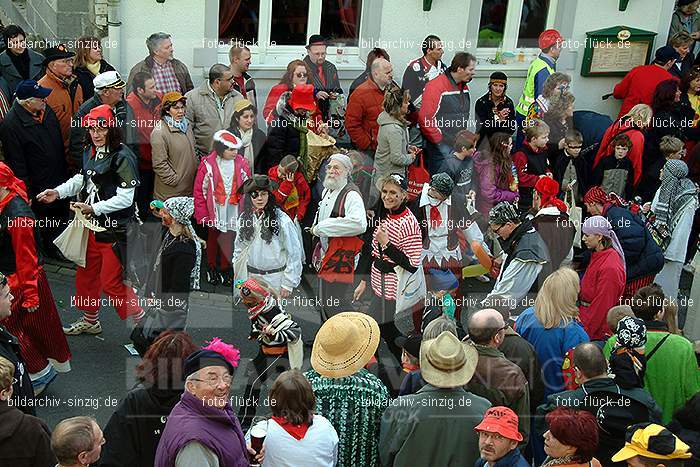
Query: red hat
[
  {"x": 303, "y": 97},
  {"x": 102, "y": 115},
  {"x": 228, "y": 139},
  {"x": 548, "y": 188},
  {"x": 596, "y": 195},
  {"x": 549, "y": 38},
  {"x": 501, "y": 420}
]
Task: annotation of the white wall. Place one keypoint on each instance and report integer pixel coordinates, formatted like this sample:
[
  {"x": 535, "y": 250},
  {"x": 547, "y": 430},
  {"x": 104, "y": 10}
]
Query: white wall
[{"x": 404, "y": 25}]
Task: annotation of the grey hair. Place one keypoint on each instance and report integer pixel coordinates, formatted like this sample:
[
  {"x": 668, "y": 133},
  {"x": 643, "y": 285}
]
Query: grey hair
[
  {"x": 154, "y": 40},
  {"x": 23, "y": 101},
  {"x": 217, "y": 71}
]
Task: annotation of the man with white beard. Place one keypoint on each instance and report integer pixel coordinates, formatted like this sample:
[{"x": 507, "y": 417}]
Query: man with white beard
[{"x": 339, "y": 223}]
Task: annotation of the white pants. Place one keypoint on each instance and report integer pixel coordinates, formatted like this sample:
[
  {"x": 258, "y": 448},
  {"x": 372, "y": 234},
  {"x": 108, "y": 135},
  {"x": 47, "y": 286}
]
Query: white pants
[{"x": 669, "y": 278}]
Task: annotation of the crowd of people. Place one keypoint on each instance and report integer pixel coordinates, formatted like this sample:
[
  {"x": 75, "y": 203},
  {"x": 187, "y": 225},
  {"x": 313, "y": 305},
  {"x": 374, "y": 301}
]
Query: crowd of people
[{"x": 389, "y": 206}]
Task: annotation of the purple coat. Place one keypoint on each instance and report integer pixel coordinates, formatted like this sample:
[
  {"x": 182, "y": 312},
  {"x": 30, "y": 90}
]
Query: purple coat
[
  {"x": 489, "y": 194},
  {"x": 192, "y": 420}
]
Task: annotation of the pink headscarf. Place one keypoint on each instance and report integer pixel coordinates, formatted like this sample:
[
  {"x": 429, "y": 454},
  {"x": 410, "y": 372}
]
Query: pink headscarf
[{"x": 599, "y": 225}]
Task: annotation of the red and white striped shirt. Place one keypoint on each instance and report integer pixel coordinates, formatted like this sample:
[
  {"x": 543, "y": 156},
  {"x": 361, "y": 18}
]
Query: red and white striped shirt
[{"x": 404, "y": 234}]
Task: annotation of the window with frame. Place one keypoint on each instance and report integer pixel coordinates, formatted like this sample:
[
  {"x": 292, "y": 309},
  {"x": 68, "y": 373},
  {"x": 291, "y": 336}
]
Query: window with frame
[
  {"x": 288, "y": 23},
  {"x": 514, "y": 24}
]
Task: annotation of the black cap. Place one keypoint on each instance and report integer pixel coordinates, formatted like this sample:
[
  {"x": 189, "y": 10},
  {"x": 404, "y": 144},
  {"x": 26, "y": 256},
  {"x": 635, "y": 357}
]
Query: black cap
[
  {"x": 30, "y": 88},
  {"x": 685, "y": 2},
  {"x": 498, "y": 76},
  {"x": 56, "y": 53},
  {"x": 258, "y": 182},
  {"x": 316, "y": 39},
  {"x": 666, "y": 53},
  {"x": 202, "y": 359},
  {"x": 411, "y": 344}
]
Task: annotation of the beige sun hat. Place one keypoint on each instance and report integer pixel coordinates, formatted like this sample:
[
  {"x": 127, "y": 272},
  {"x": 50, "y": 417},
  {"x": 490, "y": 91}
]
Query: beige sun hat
[
  {"x": 344, "y": 344},
  {"x": 446, "y": 362}
]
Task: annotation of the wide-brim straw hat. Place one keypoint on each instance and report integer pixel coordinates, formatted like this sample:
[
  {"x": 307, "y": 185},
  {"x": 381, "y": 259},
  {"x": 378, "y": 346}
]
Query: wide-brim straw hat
[
  {"x": 446, "y": 362},
  {"x": 344, "y": 344}
]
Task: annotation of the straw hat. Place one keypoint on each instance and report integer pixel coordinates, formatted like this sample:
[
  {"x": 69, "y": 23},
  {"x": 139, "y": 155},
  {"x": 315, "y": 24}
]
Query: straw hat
[
  {"x": 445, "y": 362},
  {"x": 344, "y": 344}
]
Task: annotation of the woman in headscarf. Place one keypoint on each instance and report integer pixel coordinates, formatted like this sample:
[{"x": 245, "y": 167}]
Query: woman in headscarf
[
  {"x": 175, "y": 269},
  {"x": 279, "y": 337},
  {"x": 105, "y": 188},
  {"x": 267, "y": 245},
  {"x": 34, "y": 318},
  {"x": 603, "y": 283},
  {"x": 674, "y": 205},
  {"x": 495, "y": 111},
  {"x": 252, "y": 137}
]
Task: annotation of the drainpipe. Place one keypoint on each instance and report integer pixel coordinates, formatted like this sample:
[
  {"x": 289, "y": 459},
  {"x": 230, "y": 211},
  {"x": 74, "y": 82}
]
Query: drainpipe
[{"x": 114, "y": 34}]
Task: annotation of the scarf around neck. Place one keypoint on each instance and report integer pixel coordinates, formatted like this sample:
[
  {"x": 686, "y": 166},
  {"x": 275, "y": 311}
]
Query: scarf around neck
[
  {"x": 247, "y": 141},
  {"x": 676, "y": 192},
  {"x": 181, "y": 125},
  {"x": 296, "y": 431}
]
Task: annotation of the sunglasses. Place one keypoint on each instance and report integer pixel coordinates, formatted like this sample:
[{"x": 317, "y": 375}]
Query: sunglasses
[{"x": 301, "y": 75}]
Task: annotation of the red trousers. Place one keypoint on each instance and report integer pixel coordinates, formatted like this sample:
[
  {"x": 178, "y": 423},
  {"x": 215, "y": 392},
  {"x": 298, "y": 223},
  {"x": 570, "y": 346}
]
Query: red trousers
[
  {"x": 220, "y": 249},
  {"x": 39, "y": 333},
  {"x": 103, "y": 273}
]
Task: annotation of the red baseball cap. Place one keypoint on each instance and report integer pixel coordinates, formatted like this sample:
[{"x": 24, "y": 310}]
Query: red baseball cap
[
  {"x": 102, "y": 115},
  {"x": 501, "y": 420},
  {"x": 549, "y": 38}
]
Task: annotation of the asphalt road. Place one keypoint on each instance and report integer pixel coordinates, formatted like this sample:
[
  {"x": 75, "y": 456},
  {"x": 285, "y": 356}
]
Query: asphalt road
[{"x": 102, "y": 369}]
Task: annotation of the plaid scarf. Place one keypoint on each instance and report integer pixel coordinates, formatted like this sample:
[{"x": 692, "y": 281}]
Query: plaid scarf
[{"x": 676, "y": 192}]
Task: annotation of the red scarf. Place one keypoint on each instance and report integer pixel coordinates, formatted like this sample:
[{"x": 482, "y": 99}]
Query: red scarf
[
  {"x": 15, "y": 186},
  {"x": 435, "y": 217},
  {"x": 320, "y": 75},
  {"x": 297, "y": 431}
]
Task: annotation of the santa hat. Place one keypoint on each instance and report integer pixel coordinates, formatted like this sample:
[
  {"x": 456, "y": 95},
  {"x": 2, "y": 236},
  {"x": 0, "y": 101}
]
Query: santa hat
[{"x": 228, "y": 139}]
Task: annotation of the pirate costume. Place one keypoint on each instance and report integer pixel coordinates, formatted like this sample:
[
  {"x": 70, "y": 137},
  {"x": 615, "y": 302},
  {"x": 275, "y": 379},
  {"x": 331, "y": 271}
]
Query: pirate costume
[
  {"x": 280, "y": 348},
  {"x": 106, "y": 181}
]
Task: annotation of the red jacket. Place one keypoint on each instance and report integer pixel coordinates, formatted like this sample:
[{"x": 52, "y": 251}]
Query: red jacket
[
  {"x": 364, "y": 107},
  {"x": 445, "y": 109},
  {"x": 140, "y": 124},
  {"x": 284, "y": 190},
  {"x": 276, "y": 91},
  {"x": 602, "y": 285},
  {"x": 634, "y": 155},
  {"x": 638, "y": 86}
]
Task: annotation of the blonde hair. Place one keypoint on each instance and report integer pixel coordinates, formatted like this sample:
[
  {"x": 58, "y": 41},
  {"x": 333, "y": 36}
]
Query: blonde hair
[
  {"x": 555, "y": 304},
  {"x": 7, "y": 372},
  {"x": 670, "y": 309},
  {"x": 670, "y": 145},
  {"x": 535, "y": 128},
  {"x": 640, "y": 113}
]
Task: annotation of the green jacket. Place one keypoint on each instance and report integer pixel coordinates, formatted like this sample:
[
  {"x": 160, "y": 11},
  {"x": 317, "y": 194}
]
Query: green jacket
[
  {"x": 434, "y": 427},
  {"x": 672, "y": 375}
]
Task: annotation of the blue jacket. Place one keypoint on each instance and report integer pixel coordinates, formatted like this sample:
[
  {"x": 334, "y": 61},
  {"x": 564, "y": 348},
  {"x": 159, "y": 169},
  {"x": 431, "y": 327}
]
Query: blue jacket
[
  {"x": 512, "y": 459},
  {"x": 551, "y": 346},
  {"x": 643, "y": 257}
]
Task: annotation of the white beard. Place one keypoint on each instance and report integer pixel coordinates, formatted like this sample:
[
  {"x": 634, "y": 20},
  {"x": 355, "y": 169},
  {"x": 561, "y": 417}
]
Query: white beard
[{"x": 331, "y": 183}]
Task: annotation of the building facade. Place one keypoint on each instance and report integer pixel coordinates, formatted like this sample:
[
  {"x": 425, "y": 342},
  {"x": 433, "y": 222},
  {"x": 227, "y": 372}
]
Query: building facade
[{"x": 276, "y": 31}]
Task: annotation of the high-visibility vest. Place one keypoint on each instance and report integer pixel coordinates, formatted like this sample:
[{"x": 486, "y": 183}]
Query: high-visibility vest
[{"x": 529, "y": 96}]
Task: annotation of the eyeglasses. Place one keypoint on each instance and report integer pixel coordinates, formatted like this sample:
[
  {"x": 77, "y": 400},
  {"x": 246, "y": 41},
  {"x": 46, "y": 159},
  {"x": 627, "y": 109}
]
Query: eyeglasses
[
  {"x": 213, "y": 381},
  {"x": 301, "y": 75},
  {"x": 498, "y": 229},
  {"x": 573, "y": 147},
  {"x": 255, "y": 194},
  {"x": 178, "y": 107}
]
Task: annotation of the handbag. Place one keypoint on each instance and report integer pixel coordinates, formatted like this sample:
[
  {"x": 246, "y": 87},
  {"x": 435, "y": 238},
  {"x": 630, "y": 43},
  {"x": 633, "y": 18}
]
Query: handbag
[
  {"x": 417, "y": 177},
  {"x": 155, "y": 321},
  {"x": 575, "y": 216},
  {"x": 72, "y": 242},
  {"x": 410, "y": 288}
]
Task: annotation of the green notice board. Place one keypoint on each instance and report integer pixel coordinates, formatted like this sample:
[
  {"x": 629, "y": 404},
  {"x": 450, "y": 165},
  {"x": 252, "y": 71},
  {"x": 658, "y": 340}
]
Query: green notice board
[{"x": 615, "y": 51}]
